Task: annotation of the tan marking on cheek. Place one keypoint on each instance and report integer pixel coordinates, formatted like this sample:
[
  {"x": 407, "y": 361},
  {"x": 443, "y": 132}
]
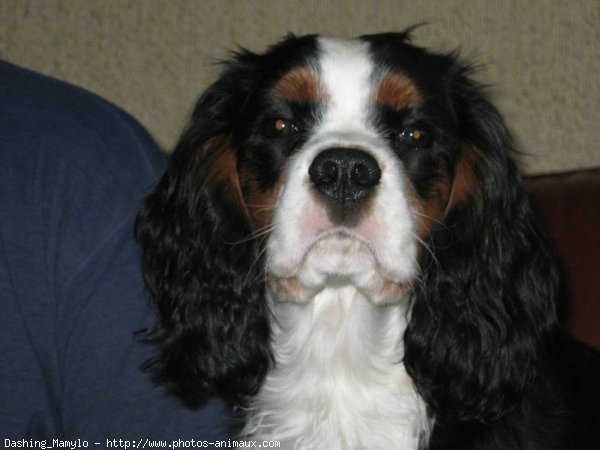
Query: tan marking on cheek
[
  {"x": 446, "y": 192},
  {"x": 397, "y": 91},
  {"x": 429, "y": 212},
  {"x": 300, "y": 85},
  {"x": 465, "y": 183},
  {"x": 260, "y": 203},
  {"x": 220, "y": 167}
]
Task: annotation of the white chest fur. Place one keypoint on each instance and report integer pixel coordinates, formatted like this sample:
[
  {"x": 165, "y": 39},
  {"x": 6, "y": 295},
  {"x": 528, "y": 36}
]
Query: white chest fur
[{"x": 339, "y": 381}]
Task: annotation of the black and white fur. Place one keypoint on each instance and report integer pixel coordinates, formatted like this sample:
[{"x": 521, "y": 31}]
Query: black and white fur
[{"x": 408, "y": 304}]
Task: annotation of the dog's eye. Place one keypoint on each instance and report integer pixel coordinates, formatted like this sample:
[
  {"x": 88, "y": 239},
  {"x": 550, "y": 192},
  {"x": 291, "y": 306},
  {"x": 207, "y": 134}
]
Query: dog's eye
[
  {"x": 274, "y": 128},
  {"x": 415, "y": 137}
]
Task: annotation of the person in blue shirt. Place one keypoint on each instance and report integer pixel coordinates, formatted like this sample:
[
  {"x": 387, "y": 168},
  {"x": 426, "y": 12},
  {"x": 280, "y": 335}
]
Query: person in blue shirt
[{"x": 73, "y": 172}]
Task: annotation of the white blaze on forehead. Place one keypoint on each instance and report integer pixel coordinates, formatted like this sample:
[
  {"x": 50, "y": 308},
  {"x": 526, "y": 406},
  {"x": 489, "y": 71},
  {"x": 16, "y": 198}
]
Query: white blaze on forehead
[{"x": 346, "y": 69}]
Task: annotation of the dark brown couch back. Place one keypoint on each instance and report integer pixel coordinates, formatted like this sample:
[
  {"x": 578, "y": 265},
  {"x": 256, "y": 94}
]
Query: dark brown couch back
[{"x": 570, "y": 204}]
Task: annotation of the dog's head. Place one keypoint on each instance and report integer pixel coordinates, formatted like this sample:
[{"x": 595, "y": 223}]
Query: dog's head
[{"x": 368, "y": 162}]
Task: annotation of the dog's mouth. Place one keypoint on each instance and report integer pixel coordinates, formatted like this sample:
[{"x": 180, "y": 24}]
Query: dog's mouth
[{"x": 338, "y": 258}]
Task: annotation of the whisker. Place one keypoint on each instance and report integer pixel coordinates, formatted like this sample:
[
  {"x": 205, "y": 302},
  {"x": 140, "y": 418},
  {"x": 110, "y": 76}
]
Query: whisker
[
  {"x": 260, "y": 232},
  {"x": 427, "y": 248},
  {"x": 262, "y": 208},
  {"x": 418, "y": 282},
  {"x": 261, "y": 205},
  {"x": 260, "y": 274},
  {"x": 425, "y": 216}
]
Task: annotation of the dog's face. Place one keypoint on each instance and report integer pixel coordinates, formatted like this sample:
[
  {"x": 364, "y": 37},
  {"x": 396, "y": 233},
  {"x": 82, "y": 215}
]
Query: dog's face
[
  {"x": 346, "y": 158},
  {"x": 367, "y": 162}
]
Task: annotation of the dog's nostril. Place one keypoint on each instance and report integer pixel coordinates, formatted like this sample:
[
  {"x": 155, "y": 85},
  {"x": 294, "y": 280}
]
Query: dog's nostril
[
  {"x": 323, "y": 171},
  {"x": 344, "y": 175},
  {"x": 363, "y": 176},
  {"x": 329, "y": 172}
]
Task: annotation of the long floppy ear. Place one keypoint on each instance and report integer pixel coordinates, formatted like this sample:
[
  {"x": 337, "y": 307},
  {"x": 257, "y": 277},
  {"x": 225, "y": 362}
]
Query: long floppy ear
[
  {"x": 488, "y": 297},
  {"x": 202, "y": 271}
]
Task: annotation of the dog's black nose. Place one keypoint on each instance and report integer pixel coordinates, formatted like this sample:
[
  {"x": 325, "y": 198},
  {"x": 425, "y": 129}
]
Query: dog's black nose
[{"x": 344, "y": 175}]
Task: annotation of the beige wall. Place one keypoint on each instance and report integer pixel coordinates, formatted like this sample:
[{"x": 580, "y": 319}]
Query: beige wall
[{"x": 153, "y": 57}]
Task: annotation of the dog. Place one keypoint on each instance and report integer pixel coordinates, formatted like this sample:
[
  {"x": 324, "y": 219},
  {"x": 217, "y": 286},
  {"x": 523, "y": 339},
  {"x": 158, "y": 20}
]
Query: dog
[{"x": 341, "y": 247}]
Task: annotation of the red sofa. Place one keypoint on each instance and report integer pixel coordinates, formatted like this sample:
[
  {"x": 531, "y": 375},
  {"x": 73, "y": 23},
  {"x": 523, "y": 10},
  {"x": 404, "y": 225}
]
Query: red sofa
[{"x": 569, "y": 203}]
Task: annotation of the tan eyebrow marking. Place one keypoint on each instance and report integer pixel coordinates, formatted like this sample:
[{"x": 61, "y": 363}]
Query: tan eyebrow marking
[
  {"x": 300, "y": 85},
  {"x": 397, "y": 91}
]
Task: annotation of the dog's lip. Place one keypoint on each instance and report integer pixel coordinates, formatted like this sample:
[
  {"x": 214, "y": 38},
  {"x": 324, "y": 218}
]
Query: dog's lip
[
  {"x": 340, "y": 233},
  {"x": 376, "y": 282}
]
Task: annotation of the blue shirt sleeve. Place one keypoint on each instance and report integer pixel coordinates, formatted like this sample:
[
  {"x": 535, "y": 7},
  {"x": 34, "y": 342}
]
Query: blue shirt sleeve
[{"x": 73, "y": 171}]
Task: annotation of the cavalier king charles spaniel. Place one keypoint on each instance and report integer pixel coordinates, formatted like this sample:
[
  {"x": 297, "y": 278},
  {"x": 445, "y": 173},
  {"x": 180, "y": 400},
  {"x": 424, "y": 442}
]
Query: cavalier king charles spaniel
[{"x": 341, "y": 247}]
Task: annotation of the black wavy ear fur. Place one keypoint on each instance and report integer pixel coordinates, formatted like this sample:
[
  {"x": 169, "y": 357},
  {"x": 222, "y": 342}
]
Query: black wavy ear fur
[
  {"x": 487, "y": 304},
  {"x": 202, "y": 271}
]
